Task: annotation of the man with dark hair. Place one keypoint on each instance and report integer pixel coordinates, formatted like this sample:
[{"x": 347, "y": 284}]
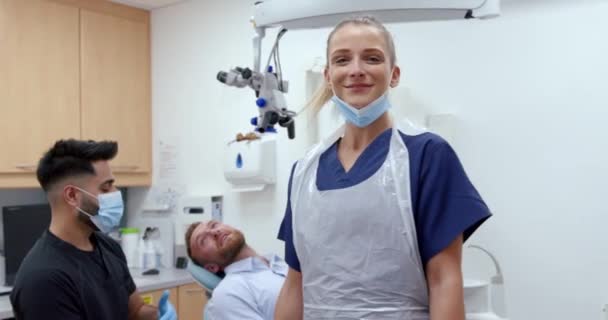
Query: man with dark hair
[
  {"x": 251, "y": 284},
  {"x": 75, "y": 271}
]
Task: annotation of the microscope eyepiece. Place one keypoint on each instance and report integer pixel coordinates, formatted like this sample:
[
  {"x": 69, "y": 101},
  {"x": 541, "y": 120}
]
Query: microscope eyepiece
[{"x": 221, "y": 76}]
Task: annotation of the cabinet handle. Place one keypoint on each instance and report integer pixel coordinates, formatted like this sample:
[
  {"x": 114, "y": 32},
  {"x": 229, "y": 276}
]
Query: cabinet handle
[
  {"x": 194, "y": 290},
  {"x": 124, "y": 168},
  {"x": 26, "y": 167}
]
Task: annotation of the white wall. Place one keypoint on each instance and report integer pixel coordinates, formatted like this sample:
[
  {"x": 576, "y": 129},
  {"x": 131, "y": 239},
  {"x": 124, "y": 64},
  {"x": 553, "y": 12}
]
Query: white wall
[
  {"x": 530, "y": 94},
  {"x": 200, "y": 115}
]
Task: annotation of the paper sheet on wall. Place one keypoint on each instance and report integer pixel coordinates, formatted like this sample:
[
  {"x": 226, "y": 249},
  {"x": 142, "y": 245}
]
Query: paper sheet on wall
[
  {"x": 168, "y": 154},
  {"x": 167, "y": 190}
]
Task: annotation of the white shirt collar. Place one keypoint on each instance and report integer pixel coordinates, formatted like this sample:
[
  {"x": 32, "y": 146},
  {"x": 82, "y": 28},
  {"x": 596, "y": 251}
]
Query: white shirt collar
[{"x": 253, "y": 264}]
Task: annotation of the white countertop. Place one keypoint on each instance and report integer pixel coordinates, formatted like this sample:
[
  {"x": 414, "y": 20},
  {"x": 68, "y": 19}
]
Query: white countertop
[{"x": 167, "y": 278}]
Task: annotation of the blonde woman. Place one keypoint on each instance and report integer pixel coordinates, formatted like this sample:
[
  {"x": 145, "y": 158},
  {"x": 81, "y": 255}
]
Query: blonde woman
[{"x": 376, "y": 218}]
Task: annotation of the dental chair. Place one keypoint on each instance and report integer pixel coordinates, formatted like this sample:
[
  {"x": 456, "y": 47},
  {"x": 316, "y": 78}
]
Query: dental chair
[{"x": 206, "y": 279}]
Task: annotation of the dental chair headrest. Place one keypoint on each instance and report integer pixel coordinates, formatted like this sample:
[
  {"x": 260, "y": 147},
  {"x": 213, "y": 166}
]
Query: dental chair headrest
[{"x": 206, "y": 278}]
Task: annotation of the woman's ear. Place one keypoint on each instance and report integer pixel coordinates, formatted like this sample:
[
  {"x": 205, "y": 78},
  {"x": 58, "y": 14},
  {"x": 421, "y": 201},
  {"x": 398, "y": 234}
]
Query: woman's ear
[
  {"x": 395, "y": 76},
  {"x": 326, "y": 77}
]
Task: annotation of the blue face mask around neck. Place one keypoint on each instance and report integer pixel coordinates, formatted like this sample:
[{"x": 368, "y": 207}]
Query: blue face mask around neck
[{"x": 366, "y": 115}]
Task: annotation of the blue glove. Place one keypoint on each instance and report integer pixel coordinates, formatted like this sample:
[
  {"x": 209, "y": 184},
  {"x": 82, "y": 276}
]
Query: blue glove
[{"x": 165, "y": 308}]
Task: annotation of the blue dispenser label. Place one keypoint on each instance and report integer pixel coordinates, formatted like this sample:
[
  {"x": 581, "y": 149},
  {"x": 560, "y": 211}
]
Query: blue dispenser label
[{"x": 239, "y": 161}]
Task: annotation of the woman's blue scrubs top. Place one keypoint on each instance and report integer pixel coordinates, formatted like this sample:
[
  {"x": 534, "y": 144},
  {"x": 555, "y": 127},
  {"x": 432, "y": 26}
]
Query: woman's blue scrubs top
[{"x": 444, "y": 201}]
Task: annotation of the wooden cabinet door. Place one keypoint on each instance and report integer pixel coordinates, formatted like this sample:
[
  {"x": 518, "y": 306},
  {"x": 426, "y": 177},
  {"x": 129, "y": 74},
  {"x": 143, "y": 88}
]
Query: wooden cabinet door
[
  {"x": 115, "y": 80},
  {"x": 39, "y": 84},
  {"x": 152, "y": 297},
  {"x": 192, "y": 301}
]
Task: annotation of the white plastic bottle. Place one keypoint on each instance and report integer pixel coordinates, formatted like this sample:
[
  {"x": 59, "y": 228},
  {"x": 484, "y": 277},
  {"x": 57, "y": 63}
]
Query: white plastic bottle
[
  {"x": 158, "y": 252},
  {"x": 149, "y": 255},
  {"x": 129, "y": 243},
  {"x": 141, "y": 250}
]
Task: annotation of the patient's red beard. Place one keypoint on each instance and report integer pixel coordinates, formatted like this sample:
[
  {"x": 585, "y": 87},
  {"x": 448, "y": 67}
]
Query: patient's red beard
[{"x": 234, "y": 245}]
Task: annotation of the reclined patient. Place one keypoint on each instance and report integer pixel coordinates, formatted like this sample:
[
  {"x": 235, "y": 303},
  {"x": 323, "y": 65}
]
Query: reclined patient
[{"x": 251, "y": 283}]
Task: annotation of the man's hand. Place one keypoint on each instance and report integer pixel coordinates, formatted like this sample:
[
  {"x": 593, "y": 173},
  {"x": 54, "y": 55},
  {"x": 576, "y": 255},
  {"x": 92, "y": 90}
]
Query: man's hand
[{"x": 165, "y": 308}]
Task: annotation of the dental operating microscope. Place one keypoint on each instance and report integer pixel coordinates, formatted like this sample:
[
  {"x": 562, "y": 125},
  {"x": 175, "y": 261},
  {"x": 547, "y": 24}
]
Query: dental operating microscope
[{"x": 269, "y": 88}]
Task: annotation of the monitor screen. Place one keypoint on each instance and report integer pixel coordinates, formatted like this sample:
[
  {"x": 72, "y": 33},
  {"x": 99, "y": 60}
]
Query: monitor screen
[{"x": 22, "y": 225}]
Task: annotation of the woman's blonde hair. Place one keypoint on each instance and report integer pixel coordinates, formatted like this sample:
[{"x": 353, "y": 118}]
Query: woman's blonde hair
[{"x": 324, "y": 93}]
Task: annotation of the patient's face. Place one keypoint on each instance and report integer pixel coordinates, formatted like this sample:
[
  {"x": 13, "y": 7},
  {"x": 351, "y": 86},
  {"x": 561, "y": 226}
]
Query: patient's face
[{"x": 215, "y": 243}]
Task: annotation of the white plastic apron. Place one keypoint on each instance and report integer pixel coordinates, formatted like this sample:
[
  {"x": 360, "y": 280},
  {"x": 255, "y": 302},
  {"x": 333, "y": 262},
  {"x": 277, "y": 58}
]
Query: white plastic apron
[{"x": 357, "y": 246}]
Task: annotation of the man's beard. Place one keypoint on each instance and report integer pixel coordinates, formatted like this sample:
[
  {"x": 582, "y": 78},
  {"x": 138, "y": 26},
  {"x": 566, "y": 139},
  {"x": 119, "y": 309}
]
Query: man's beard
[
  {"x": 90, "y": 208},
  {"x": 232, "y": 249}
]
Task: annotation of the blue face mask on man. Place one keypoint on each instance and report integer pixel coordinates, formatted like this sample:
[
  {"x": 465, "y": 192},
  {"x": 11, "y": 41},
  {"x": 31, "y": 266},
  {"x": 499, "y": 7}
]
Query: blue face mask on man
[
  {"x": 366, "y": 115},
  {"x": 111, "y": 208}
]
